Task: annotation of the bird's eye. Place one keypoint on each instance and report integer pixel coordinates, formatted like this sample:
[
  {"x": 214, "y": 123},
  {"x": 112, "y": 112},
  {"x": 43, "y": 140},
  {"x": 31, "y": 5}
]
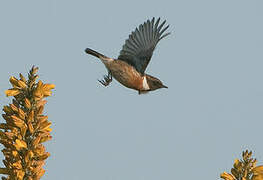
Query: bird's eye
[{"x": 158, "y": 83}]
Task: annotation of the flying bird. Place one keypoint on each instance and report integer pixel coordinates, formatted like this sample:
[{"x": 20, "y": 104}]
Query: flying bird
[{"x": 129, "y": 68}]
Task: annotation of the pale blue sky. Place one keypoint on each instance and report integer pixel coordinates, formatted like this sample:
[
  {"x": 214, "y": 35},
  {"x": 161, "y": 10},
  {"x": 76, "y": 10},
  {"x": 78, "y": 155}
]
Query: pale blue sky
[{"x": 212, "y": 63}]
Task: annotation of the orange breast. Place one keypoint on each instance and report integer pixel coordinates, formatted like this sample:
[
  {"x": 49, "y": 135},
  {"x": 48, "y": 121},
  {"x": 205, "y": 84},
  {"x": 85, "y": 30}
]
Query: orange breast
[{"x": 125, "y": 74}]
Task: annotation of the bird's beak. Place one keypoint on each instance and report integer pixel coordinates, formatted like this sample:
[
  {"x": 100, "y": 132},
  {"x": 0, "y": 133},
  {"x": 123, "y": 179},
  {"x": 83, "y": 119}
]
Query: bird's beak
[{"x": 164, "y": 86}]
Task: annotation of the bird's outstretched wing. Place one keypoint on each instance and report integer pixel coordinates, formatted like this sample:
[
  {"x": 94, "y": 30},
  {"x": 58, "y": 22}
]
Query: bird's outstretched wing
[{"x": 138, "y": 49}]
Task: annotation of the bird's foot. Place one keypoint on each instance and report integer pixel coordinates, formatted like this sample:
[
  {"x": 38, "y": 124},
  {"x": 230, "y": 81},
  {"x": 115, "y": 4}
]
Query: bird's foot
[{"x": 107, "y": 80}]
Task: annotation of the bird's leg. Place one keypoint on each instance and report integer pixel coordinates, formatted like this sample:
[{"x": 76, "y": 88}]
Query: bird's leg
[{"x": 107, "y": 79}]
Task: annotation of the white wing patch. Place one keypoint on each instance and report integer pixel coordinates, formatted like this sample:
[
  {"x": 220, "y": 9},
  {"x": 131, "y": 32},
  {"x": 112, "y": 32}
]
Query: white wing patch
[{"x": 145, "y": 84}]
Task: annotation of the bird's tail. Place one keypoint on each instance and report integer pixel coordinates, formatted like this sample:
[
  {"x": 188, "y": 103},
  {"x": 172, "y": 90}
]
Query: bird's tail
[{"x": 95, "y": 53}]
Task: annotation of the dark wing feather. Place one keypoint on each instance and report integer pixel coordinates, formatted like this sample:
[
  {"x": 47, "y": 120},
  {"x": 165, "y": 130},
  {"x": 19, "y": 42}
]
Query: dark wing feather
[{"x": 138, "y": 49}]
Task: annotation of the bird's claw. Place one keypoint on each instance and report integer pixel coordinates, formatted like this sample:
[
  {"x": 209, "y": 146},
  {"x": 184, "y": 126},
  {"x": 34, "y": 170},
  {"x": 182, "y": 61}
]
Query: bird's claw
[{"x": 107, "y": 80}]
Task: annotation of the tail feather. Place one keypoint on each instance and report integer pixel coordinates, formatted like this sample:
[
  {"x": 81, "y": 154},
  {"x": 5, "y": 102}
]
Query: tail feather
[{"x": 94, "y": 53}]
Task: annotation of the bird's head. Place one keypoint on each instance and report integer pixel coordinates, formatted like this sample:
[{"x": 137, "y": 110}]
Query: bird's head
[{"x": 154, "y": 83}]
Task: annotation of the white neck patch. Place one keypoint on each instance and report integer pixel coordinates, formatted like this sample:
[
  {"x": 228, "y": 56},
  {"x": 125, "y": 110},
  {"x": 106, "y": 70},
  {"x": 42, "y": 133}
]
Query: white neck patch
[{"x": 145, "y": 84}]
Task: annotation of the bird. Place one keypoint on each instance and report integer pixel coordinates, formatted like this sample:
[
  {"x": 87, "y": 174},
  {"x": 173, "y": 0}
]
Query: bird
[{"x": 129, "y": 68}]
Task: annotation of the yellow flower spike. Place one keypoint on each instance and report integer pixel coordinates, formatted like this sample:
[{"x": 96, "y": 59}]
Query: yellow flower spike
[
  {"x": 227, "y": 176},
  {"x": 245, "y": 169},
  {"x": 20, "y": 144},
  {"x": 26, "y": 128},
  {"x": 12, "y": 92}
]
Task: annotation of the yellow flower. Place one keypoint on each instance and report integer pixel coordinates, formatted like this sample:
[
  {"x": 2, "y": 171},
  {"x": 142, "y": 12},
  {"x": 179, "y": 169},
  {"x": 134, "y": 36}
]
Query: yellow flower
[
  {"x": 43, "y": 90},
  {"x": 26, "y": 128},
  {"x": 257, "y": 173},
  {"x": 257, "y": 177},
  {"x": 258, "y": 170},
  {"x": 245, "y": 169},
  {"x": 14, "y": 82},
  {"x": 227, "y": 176},
  {"x": 27, "y": 103},
  {"x": 47, "y": 89},
  {"x": 235, "y": 173},
  {"x": 8, "y": 110},
  {"x": 20, "y": 144},
  {"x": 12, "y": 92},
  {"x": 237, "y": 164},
  {"x": 19, "y": 174}
]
